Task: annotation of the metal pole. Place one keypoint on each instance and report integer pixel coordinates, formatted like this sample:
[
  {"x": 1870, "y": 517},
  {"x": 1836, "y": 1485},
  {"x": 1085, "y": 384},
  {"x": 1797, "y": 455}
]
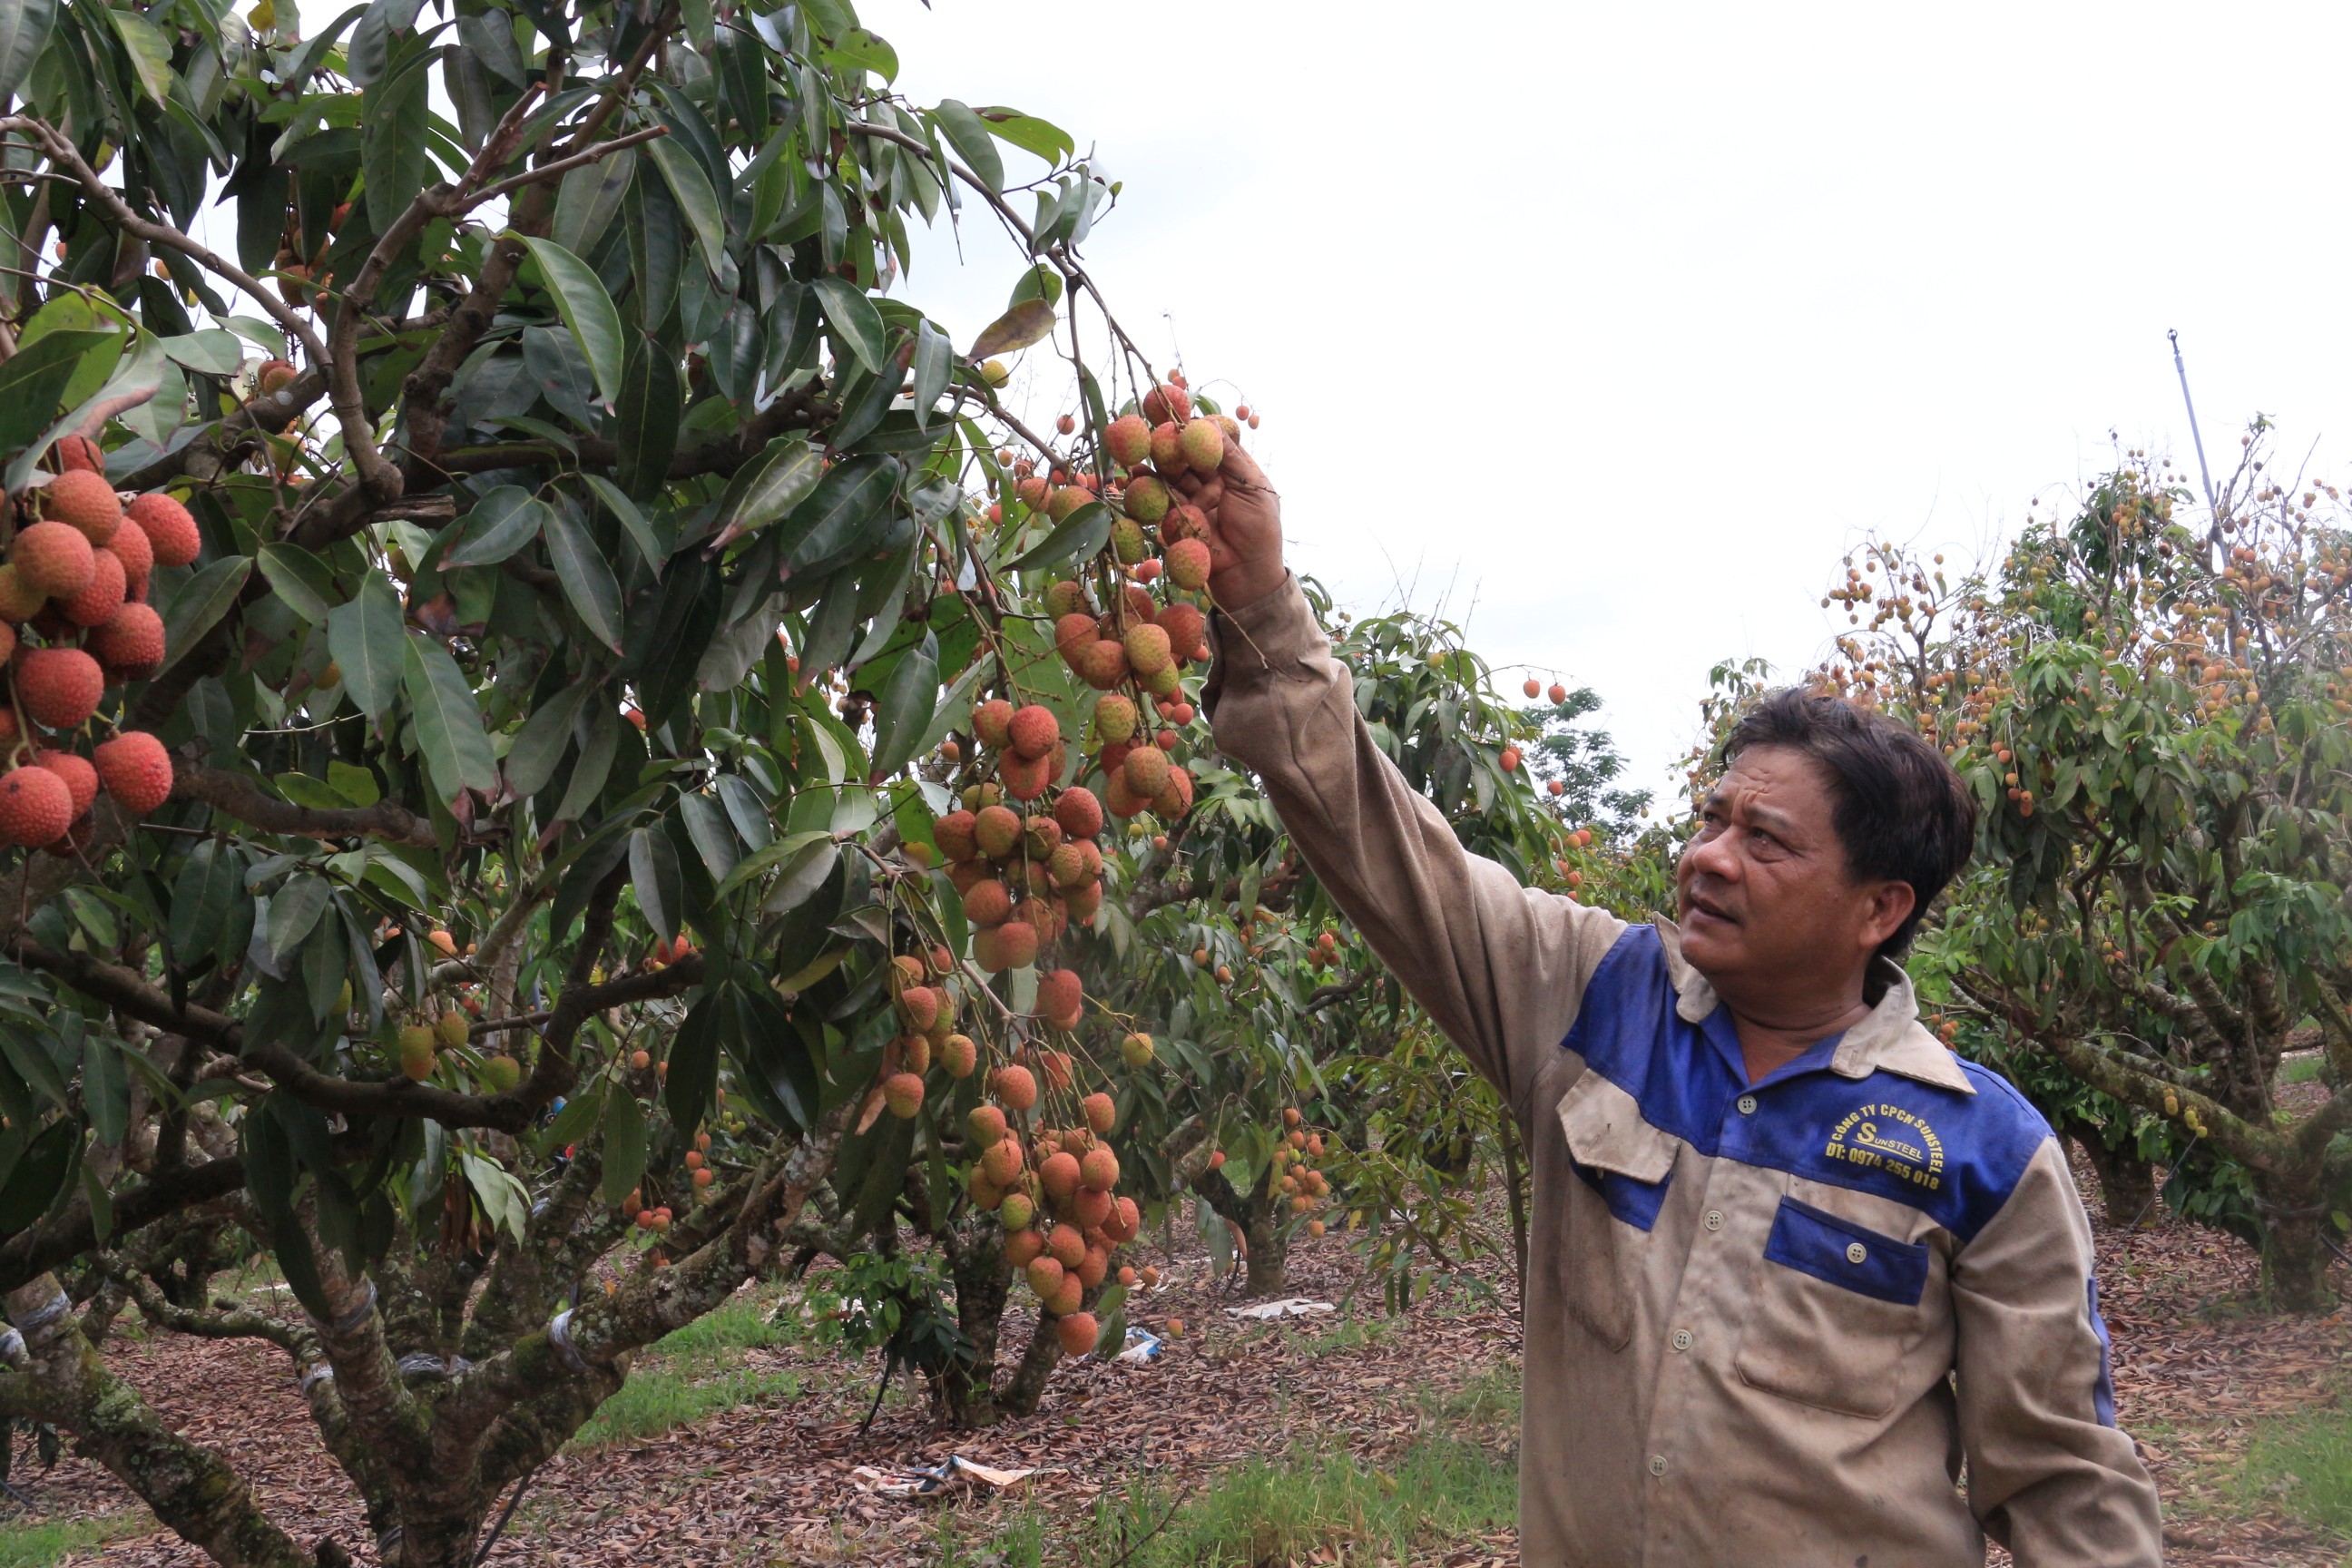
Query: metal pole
[{"x": 2203, "y": 472}]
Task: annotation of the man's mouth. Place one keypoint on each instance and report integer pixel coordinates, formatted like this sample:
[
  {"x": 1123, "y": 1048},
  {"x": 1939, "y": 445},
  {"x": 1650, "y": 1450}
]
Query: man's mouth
[{"x": 1700, "y": 904}]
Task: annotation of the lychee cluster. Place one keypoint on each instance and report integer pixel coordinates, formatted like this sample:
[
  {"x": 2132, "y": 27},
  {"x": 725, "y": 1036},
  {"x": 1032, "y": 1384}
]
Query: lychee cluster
[
  {"x": 923, "y": 992},
  {"x": 1024, "y": 877},
  {"x": 1054, "y": 1189},
  {"x": 76, "y": 579},
  {"x": 423, "y": 1041},
  {"x": 1296, "y": 1177}
]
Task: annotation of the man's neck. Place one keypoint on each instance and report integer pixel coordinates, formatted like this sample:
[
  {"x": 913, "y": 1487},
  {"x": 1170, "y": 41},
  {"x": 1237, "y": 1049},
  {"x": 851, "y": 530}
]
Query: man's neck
[{"x": 1772, "y": 1038}]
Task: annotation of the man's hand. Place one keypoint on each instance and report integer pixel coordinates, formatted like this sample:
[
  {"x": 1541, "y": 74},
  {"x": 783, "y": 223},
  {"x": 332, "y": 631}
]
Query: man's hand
[{"x": 1244, "y": 528}]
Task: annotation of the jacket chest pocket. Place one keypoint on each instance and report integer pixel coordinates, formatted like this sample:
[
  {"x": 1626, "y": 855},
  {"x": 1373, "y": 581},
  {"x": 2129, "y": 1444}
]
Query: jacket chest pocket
[
  {"x": 1836, "y": 1307},
  {"x": 1619, "y": 1166}
]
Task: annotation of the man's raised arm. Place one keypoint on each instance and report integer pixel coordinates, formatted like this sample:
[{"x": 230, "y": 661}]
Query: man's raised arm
[{"x": 1499, "y": 967}]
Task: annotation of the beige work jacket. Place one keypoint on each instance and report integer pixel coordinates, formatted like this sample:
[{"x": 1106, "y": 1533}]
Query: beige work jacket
[{"x": 1842, "y": 1317}]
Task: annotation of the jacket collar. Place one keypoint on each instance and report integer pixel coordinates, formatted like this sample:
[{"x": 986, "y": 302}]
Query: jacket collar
[{"x": 1891, "y": 1039}]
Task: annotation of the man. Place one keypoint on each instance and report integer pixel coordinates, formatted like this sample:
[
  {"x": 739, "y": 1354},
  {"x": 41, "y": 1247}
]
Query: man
[{"x": 1795, "y": 1268}]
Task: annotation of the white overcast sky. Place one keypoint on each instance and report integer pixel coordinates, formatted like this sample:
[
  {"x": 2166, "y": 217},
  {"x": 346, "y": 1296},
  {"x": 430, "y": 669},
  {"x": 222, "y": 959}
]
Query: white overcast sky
[{"x": 1609, "y": 329}]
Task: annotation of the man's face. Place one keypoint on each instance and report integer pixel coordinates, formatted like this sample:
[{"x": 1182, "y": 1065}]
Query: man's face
[{"x": 1767, "y": 904}]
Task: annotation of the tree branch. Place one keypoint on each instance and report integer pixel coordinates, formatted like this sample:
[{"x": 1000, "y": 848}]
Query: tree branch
[{"x": 240, "y": 797}]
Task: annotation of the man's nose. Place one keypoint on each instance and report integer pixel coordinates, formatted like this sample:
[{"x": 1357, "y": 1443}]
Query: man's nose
[{"x": 1712, "y": 857}]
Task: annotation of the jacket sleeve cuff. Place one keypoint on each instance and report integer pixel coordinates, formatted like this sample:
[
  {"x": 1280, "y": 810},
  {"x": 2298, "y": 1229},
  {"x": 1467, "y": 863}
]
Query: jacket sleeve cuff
[{"x": 1276, "y": 630}]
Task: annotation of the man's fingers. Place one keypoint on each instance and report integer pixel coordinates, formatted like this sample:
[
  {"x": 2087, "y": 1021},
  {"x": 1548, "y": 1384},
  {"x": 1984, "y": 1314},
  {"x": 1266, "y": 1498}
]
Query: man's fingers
[{"x": 1242, "y": 466}]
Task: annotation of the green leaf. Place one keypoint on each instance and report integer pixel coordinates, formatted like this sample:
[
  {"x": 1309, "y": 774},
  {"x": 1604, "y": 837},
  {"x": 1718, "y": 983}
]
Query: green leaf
[
  {"x": 587, "y": 578},
  {"x": 150, "y": 51},
  {"x": 839, "y": 511},
  {"x": 969, "y": 137},
  {"x": 200, "y": 603},
  {"x": 44, "y": 1167},
  {"x": 654, "y": 874},
  {"x": 586, "y": 309},
  {"x": 530, "y": 760},
  {"x": 1028, "y": 132},
  {"x": 693, "y": 1067},
  {"x": 294, "y": 912},
  {"x": 768, "y": 487},
  {"x": 303, "y": 581},
  {"x": 33, "y": 382},
  {"x": 594, "y": 766},
  {"x": 791, "y": 847},
  {"x": 691, "y": 186},
  {"x": 448, "y": 720},
  {"x": 502, "y": 522},
  {"x": 905, "y": 711},
  {"x": 1026, "y": 322},
  {"x": 934, "y": 364},
  {"x": 579, "y": 1114},
  {"x": 355, "y": 783},
  {"x": 1080, "y": 535},
  {"x": 211, "y": 351},
  {"x": 504, "y": 1199},
  {"x": 394, "y": 116},
  {"x": 105, "y": 1087},
  {"x": 645, "y": 416},
  {"x": 364, "y": 638},
  {"x": 714, "y": 838},
  {"x": 858, "y": 50},
  {"x": 625, "y": 1145},
  {"x": 855, "y": 323},
  {"x": 632, "y": 521},
  {"x": 25, "y": 26},
  {"x": 208, "y": 883}
]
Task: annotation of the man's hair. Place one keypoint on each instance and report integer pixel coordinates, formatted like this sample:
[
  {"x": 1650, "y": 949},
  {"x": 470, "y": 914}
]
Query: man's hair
[{"x": 1901, "y": 813}]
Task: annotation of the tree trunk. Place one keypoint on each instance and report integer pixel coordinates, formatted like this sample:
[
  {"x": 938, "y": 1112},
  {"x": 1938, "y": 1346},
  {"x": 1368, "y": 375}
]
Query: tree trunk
[
  {"x": 1020, "y": 1397},
  {"x": 1515, "y": 1194},
  {"x": 2127, "y": 1182},
  {"x": 1268, "y": 1250},
  {"x": 964, "y": 1392},
  {"x": 2295, "y": 1254}
]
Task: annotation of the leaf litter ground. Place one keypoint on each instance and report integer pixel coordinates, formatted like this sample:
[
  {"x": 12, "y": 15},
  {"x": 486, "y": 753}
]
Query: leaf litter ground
[{"x": 769, "y": 1480}]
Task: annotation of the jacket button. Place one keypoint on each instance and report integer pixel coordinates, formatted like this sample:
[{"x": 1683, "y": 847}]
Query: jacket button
[
  {"x": 1857, "y": 1253},
  {"x": 1682, "y": 1339},
  {"x": 1657, "y": 1464},
  {"x": 1747, "y": 1105},
  {"x": 1714, "y": 1219}
]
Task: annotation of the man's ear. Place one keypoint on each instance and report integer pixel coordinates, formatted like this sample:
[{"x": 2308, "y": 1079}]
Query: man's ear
[{"x": 1890, "y": 904}]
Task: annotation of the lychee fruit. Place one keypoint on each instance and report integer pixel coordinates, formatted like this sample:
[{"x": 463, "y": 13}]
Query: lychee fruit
[
  {"x": 919, "y": 1006},
  {"x": 417, "y": 1052},
  {"x": 83, "y": 500},
  {"x": 985, "y": 1125},
  {"x": 1034, "y": 731},
  {"x": 1060, "y": 1174},
  {"x": 1016, "y": 1086},
  {"x": 1067, "y": 597},
  {"x": 59, "y": 687},
  {"x": 991, "y": 722},
  {"x": 996, "y": 829},
  {"x": 1102, "y": 1113},
  {"x": 1001, "y": 1161},
  {"x": 1066, "y": 1243},
  {"x": 1184, "y": 520},
  {"x": 1045, "y": 1276},
  {"x": 1065, "y": 501},
  {"x": 953, "y": 834},
  {"x": 1187, "y": 629},
  {"x": 136, "y": 771},
  {"x": 1146, "y": 499},
  {"x": 1099, "y": 1170},
  {"x": 1558, "y": 693},
  {"x": 130, "y": 546},
  {"x": 1061, "y": 998},
  {"x": 1073, "y": 635},
  {"x": 1188, "y": 565},
  {"x": 80, "y": 777},
  {"x": 958, "y": 1056},
  {"x": 1144, "y": 771},
  {"x": 1067, "y": 1301},
  {"x": 1025, "y": 778},
  {"x": 903, "y": 1093},
  {"x": 1168, "y": 448},
  {"x": 1167, "y": 403},
  {"x": 1128, "y": 440},
  {"x": 1509, "y": 759},
  {"x": 1102, "y": 664},
  {"x": 101, "y": 596},
  {"x": 1016, "y": 944},
  {"x": 1202, "y": 444},
  {"x": 19, "y": 600},
  {"x": 1077, "y": 1333},
  {"x": 1148, "y": 649},
  {"x": 1016, "y": 1211},
  {"x": 1128, "y": 545},
  {"x": 273, "y": 375},
  {"x": 54, "y": 559},
  {"x": 37, "y": 808},
  {"x": 79, "y": 453},
  {"x": 1078, "y": 810},
  {"x": 169, "y": 529},
  {"x": 1024, "y": 1248},
  {"x": 988, "y": 904}
]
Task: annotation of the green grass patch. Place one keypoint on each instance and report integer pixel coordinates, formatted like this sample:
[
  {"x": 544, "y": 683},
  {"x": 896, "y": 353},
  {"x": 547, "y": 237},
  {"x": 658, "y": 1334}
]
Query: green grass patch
[
  {"x": 695, "y": 1372},
  {"x": 38, "y": 1545},
  {"x": 2300, "y": 1069},
  {"x": 2303, "y": 1463},
  {"x": 1448, "y": 1486}
]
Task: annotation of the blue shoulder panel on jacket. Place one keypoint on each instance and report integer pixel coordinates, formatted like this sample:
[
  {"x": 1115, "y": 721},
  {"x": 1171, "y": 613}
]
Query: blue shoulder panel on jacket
[{"x": 1957, "y": 1156}]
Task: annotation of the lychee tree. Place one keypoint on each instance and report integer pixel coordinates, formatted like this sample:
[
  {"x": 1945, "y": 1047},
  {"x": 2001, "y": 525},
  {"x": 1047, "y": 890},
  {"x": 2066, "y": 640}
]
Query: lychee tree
[
  {"x": 2150, "y": 707},
  {"x": 500, "y": 887}
]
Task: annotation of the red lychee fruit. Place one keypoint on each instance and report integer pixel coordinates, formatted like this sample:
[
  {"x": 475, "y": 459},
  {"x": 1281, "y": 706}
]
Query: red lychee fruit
[
  {"x": 1025, "y": 778},
  {"x": 101, "y": 596},
  {"x": 1066, "y": 1243},
  {"x": 83, "y": 500},
  {"x": 1045, "y": 1276},
  {"x": 991, "y": 722},
  {"x": 1077, "y": 1333},
  {"x": 1102, "y": 1113},
  {"x": 1089, "y": 1208},
  {"x": 1065, "y": 501},
  {"x": 59, "y": 687},
  {"x": 80, "y": 454},
  {"x": 54, "y": 560},
  {"x": 1558, "y": 693},
  {"x": 1188, "y": 565},
  {"x": 985, "y": 1125},
  {"x": 274, "y": 375},
  {"x": 1145, "y": 771},
  {"x": 988, "y": 904},
  {"x": 1102, "y": 664},
  {"x": 1128, "y": 440},
  {"x": 1032, "y": 490},
  {"x": 37, "y": 808},
  {"x": 1060, "y": 1174},
  {"x": 1202, "y": 444},
  {"x": 1022, "y": 1247},
  {"x": 996, "y": 831},
  {"x": 1061, "y": 998},
  {"x": 903, "y": 1093},
  {"x": 1016, "y": 1086},
  {"x": 81, "y": 778},
  {"x": 1509, "y": 759},
  {"x": 953, "y": 834},
  {"x": 1148, "y": 649},
  {"x": 1001, "y": 1161},
  {"x": 1099, "y": 1170},
  {"x": 919, "y": 1006},
  {"x": 1168, "y": 448},
  {"x": 1034, "y": 731},
  {"x": 136, "y": 771},
  {"x": 1067, "y": 1301},
  {"x": 19, "y": 600},
  {"x": 1166, "y": 403},
  {"x": 1187, "y": 629},
  {"x": 1146, "y": 499},
  {"x": 169, "y": 529},
  {"x": 130, "y": 546},
  {"x": 1078, "y": 811}
]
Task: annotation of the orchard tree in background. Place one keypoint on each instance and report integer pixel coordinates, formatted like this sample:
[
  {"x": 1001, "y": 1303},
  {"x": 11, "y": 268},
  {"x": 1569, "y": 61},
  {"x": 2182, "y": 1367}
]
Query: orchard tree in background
[
  {"x": 2152, "y": 714},
  {"x": 636, "y": 724}
]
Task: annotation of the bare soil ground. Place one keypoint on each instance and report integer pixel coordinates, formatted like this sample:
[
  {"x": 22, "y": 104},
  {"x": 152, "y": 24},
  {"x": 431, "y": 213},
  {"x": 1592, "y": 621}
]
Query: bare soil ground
[{"x": 771, "y": 1481}]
